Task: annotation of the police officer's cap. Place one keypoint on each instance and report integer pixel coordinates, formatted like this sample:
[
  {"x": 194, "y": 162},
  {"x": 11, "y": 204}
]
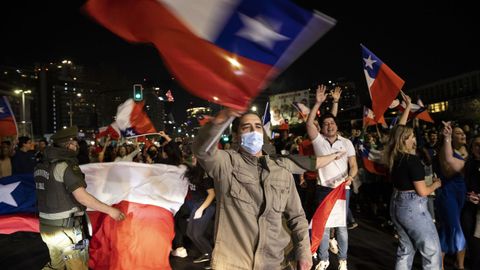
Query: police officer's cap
[{"x": 65, "y": 135}]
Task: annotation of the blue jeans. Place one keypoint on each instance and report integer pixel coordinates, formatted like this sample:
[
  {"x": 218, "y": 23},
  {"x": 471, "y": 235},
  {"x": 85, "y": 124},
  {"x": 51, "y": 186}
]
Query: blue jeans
[
  {"x": 416, "y": 231},
  {"x": 341, "y": 233}
]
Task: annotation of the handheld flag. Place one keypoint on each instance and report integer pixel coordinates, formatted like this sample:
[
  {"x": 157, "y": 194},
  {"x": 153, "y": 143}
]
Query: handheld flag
[
  {"x": 224, "y": 51},
  {"x": 334, "y": 202},
  {"x": 8, "y": 125},
  {"x": 383, "y": 84},
  {"x": 369, "y": 118},
  {"x": 416, "y": 111},
  {"x": 132, "y": 120},
  {"x": 372, "y": 160},
  {"x": 302, "y": 109},
  {"x": 111, "y": 130},
  {"x": 266, "y": 121}
]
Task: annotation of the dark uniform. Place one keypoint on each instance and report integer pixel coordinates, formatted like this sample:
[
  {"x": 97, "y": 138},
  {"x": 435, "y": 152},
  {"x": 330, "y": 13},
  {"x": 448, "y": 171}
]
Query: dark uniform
[{"x": 60, "y": 213}]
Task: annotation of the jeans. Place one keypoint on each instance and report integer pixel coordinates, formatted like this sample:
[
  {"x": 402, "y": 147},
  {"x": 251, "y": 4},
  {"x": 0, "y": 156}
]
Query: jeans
[
  {"x": 197, "y": 228},
  {"x": 416, "y": 231},
  {"x": 341, "y": 233}
]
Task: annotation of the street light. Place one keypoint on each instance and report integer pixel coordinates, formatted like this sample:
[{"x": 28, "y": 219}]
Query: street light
[{"x": 23, "y": 92}]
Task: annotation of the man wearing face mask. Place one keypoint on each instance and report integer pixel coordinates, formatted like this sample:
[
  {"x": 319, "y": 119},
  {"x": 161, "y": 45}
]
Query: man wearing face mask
[
  {"x": 62, "y": 201},
  {"x": 256, "y": 199}
]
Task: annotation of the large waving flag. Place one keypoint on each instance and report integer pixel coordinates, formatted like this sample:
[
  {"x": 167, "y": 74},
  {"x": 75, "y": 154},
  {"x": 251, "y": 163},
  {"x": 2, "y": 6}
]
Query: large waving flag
[
  {"x": 225, "y": 51},
  {"x": 332, "y": 212},
  {"x": 149, "y": 195},
  {"x": 132, "y": 119},
  {"x": 8, "y": 125},
  {"x": 18, "y": 204},
  {"x": 372, "y": 160},
  {"x": 383, "y": 84}
]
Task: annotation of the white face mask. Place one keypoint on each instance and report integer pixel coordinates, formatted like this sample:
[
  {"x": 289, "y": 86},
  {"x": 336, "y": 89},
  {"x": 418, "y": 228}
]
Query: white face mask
[{"x": 252, "y": 142}]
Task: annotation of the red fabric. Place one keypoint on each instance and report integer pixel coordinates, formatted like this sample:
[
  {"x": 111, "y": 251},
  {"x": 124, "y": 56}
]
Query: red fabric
[
  {"x": 109, "y": 131},
  {"x": 306, "y": 149},
  {"x": 142, "y": 241},
  {"x": 198, "y": 64},
  {"x": 425, "y": 116},
  {"x": 8, "y": 127},
  {"x": 384, "y": 90},
  {"x": 140, "y": 120},
  {"x": 322, "y": 213},
  {"x": 374, "y": 167},
  {"x": 19, "y": 223}
]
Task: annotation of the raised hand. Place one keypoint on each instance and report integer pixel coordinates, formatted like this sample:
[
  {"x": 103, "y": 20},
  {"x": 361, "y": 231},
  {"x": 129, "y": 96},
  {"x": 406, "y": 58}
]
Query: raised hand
[
  {"x": 447, "y": 129},
  {"x": 406, "y": 98},
  {"x": 320, "y": 95},
  {"x": 337, "y": 92}
]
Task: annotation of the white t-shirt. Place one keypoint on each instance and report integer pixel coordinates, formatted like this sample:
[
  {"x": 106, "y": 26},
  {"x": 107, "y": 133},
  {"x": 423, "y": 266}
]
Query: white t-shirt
[{"x": 336, "y": 171}]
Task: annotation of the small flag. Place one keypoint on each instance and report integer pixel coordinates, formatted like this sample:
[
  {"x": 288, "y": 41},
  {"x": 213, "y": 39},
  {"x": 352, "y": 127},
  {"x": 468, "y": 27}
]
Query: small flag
[
  {"x": 372, "y": 160},
  {"x": 111, "y": 130},
  {"x": 132, "y": 119},
  {"x": 383, "y": 84},
  {"x": 8, "y": 125},
  {"x": 302, "y": 109},
  {"x": 266, "y": 121},
  {"x": 369, "y": 118}
]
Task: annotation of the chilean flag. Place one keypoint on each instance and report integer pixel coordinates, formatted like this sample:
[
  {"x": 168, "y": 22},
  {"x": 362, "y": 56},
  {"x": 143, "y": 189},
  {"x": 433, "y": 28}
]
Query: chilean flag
[
  {"x": 267, "y": 124},
  {"x": 332, "y": 212},
  {"x": 417, "y": 110},
  {"x": 18, "y": 204},
  {"x": 132, "y": 120},
  {"x": 383, "y": 84},
  {"x": 224, "y": 51},
  {"x": 149, "y": 195},
  {"x": 369, "y": 118},
  {"x": 111, "y": 130},
  {"x": 8, "y": 125},
  {"x": 372, "y": 160}
]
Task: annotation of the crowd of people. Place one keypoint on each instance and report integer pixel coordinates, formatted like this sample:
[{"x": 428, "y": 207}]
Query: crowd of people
[{"x": 250, "y": 200}]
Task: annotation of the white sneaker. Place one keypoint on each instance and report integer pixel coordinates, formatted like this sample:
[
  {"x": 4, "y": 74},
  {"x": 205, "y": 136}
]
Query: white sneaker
[
  {"x": 180, "y": 252},
  {"x": 322, "y": 265},
  {"x": 342, "y": 265},
  {"x": 333, "y": 245}
]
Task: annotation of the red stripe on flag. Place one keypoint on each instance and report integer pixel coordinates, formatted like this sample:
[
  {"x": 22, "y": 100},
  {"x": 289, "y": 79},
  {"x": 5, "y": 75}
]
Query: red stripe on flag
[
  {"x": 140, "y": 121},
  {"x": 384, "y": 90},
  {"x": 199, "y": 65},
  {"x": 322, "y": 213},
  {"x": 19, "y": 223},
  {"x": 142, "y": 241}
]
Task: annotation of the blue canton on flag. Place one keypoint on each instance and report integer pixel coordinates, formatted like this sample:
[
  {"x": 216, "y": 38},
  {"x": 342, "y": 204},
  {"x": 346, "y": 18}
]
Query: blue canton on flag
[{"x": 17, "y": 194}]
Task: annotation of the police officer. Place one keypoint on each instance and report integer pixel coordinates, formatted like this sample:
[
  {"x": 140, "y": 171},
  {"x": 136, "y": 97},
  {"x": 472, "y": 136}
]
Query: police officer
[{"x": 62, "y": 200}]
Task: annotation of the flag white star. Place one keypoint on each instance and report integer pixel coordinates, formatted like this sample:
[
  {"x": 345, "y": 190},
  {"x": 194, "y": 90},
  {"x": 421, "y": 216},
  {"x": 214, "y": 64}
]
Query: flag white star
[
  {"x": 369, "y": 61},
  {"x": 2, "y": 110},
  {"x": 6, "y": 193},
  {"x": 259, "y": 31}
]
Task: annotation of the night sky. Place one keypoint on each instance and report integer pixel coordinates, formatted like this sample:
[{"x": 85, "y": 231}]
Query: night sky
[{"x": 421, "y": 43}]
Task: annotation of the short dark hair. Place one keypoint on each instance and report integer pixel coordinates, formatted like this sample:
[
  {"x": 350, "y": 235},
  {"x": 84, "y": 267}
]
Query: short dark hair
[
  {"x": 325, "y": 116},
  {"x": 43, "y": 140},
  {"x": 23, "y": 140},
  {"x": 236, "y": 122}
]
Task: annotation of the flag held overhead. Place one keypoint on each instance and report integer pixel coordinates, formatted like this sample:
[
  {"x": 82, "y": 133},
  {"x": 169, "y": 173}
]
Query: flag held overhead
[
  {"x": 224, "y": 51},
  {"x": 383, "y": 84}
]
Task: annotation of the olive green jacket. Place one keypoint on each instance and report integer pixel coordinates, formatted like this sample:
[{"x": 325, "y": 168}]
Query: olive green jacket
[{"x": 255, "y": 198}]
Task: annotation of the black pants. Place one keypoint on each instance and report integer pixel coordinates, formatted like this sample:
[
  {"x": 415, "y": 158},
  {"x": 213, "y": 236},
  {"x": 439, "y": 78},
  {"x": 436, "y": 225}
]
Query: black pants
[
  {"x": 197, "y": 228},
  {"x": 180, "y": 226}
]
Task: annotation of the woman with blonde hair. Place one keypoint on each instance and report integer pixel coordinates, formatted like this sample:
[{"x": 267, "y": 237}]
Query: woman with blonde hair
[{"x": 408, "y": 207}]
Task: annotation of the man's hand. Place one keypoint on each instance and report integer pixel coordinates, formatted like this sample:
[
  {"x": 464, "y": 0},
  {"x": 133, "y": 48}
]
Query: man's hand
[
  {"x": 320, "y": 96},
  {"x": 305, "y": 264},
  {"x": 198, "y": 213},
  {"x": 225, "y": 114},
  {"x": 349, "y": 180},
  {"x": 116, "y": 214}
]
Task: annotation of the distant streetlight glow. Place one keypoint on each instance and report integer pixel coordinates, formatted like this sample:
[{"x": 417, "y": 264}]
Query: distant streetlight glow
[
  {"x": 254, "y": 108},
  {"x": 215, "y": 98}
]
